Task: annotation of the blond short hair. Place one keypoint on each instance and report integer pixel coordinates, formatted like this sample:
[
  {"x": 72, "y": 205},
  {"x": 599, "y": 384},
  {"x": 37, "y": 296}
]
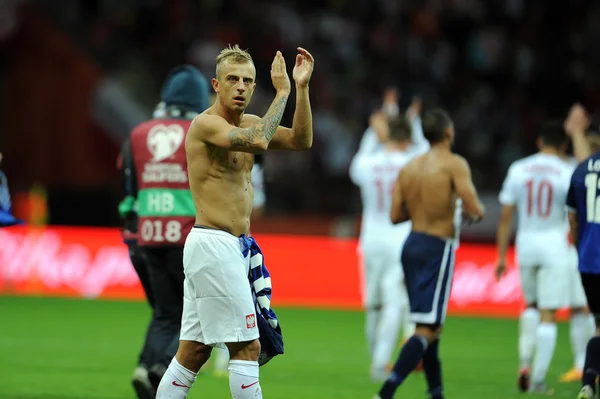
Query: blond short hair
[{"x": 233, "y": 54}]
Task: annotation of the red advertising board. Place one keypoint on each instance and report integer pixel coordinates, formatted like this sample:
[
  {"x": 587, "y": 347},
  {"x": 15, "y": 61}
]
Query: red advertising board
[{"x": 306, "y": 271}]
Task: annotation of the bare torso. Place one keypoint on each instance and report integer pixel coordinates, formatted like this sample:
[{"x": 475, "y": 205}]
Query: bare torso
[
  {"x": 220, "y": 184},
  {"x": 429, "y": 194}
]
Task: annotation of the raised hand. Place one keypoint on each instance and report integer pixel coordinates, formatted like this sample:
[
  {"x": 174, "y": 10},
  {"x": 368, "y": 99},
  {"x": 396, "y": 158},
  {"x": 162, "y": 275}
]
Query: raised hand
[
  {"x": 577, "y": 121},
  {"x": 379, "y": 122},
  {"x": 279, "y": 76},
  {"x": 303, "y": 68},
  {"x": 390, "y": 102},
  {"x": 390, "y": 96},
  {"x": 415, "y": 108}
]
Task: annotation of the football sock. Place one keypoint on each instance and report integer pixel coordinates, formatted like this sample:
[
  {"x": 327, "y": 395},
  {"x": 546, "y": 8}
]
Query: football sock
[
  {"x": 243, "y": 379},
  {"x": 176, "y": 382},
  {"x": 433, "y": 369},
  {"x": 410, "y": 356},
  {"x": 579, "y": 333},
  {"x": 386, "y": 337},
  {"x": 591, "y": 369},
  {"x": 221, "y": 359},
  {"x": 371, "y": 323},
  {"x": 546, "y": 342},
  {"x": 528, "y": 323}
]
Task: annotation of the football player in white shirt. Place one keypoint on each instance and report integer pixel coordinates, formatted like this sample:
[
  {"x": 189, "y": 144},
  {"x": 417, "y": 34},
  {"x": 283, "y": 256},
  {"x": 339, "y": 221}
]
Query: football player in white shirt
[
  {"x": 385, "y": 149},
  {"x": 536, "y": 186}
]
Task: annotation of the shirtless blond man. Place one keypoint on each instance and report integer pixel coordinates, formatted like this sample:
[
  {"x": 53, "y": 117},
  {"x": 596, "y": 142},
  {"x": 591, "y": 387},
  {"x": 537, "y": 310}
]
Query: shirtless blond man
[
  {"x": 218, "y": 304},
  {"x": 426, "y": 193}
]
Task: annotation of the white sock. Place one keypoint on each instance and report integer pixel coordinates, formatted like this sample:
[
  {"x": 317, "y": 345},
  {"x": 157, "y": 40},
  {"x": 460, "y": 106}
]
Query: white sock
[
  {"x": 544, "y": 351},
  {"x": 409, "y": 330},
  {"x": 386, "y": 337},
  {"x": 243, "y": 379},
  {"x": 528, "y": 324},
  {"x": 591, "y": 326},
  {"x": 371, "y": 323},
  {"x": 221, "y": 359},
  {"x": 176, "y": 382},
  {"x": 579, "y": 332},
  {"x": 408, "y": 327}
]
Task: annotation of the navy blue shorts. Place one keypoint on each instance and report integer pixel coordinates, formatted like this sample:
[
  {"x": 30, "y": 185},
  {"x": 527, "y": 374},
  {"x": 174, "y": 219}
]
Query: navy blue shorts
[{"x": 428, "y": 264}]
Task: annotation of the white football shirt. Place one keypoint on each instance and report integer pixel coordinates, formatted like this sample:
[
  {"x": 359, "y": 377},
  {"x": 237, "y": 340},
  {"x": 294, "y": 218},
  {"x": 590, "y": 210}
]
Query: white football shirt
[
  {"x": 375, "y": 171},
  {"x": 538, "y": 186},
  {"x": 376, "y": 176}
]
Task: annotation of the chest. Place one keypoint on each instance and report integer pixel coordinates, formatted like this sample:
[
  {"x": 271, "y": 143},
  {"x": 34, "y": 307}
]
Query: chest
[{"x": 230, "y": 161}]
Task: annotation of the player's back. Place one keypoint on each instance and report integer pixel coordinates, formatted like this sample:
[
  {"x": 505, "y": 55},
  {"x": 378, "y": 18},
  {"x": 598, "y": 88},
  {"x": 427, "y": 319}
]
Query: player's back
[
  {"x": 376, "y": 175},
  {"x": 539, "y": 185},
  {"x": 429, "y": 194},
  {"x": 584, "y": 197}
]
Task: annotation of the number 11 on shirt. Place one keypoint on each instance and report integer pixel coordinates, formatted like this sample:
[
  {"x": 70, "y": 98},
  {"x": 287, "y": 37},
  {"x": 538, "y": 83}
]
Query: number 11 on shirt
[{"x": 384, "y": 191}]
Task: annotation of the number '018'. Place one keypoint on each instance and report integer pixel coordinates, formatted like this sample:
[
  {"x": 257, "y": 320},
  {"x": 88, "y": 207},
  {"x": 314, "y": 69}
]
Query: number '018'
[{"x": 152, "y": 230}]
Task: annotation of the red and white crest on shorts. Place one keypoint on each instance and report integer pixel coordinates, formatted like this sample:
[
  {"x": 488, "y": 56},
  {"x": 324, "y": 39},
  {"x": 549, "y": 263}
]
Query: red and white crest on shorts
[{"x": 250, "y": 321}]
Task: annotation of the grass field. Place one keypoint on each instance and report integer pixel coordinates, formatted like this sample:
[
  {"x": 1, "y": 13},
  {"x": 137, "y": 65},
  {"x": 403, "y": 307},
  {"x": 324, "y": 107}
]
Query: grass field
[{"x": 78, "y": 349}]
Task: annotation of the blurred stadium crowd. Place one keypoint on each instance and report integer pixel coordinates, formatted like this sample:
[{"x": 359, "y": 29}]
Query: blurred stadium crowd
[{"x": 502, "y": 67}]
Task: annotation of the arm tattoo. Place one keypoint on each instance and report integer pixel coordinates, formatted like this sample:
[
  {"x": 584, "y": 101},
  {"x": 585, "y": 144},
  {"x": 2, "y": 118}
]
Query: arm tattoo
[{"x": 266, "y": 127}]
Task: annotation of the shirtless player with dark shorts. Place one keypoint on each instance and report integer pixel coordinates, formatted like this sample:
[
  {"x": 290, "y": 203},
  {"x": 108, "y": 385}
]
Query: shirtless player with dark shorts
[{"x": 426, "y": 193}]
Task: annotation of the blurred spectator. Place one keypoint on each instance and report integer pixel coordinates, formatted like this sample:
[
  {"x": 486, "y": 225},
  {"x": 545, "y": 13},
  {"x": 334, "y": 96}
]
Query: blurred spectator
[
  {"x": 6, "y": 217},
  {"x": 9, "y": 18}
]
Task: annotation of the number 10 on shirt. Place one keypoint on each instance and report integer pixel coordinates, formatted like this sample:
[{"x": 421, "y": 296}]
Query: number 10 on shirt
[{"x": 543, "y": 193}]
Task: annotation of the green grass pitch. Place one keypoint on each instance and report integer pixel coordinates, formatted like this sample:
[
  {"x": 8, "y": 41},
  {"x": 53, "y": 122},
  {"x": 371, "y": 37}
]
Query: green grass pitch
[{"x": 80, "y": 349}]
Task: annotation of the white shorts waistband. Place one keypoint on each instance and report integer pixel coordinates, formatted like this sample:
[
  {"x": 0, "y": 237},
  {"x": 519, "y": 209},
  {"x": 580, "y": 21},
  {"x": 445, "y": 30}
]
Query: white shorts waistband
[{"x": 214, "y": 232}]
